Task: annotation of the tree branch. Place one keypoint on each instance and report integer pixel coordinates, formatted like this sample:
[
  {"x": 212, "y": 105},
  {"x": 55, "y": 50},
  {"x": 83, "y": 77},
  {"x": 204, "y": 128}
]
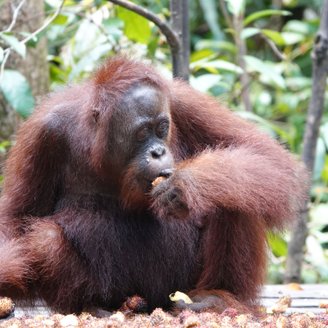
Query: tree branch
[
  {"x": 30, "y": 37},
  {"x": 15, "y": 15},
  {"x": 273, "y": 47},
  {"x": 225, "y": 13},
  {"x": 171, "y": 37},
  {"x": 45, "y": 25},
  {"x": 315, "y": 111}
]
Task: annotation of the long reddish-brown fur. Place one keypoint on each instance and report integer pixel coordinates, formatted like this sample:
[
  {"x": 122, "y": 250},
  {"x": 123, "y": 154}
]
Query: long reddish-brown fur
[{"x": 80, "y": 237}]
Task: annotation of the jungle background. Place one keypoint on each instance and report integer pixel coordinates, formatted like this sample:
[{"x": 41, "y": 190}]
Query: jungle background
[{"x": 252, "y": 55}]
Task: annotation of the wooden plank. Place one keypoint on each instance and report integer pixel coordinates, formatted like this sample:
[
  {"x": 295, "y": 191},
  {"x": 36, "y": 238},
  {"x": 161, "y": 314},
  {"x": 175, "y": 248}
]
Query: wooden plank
[
  {"x": 38, "y": 307},
  {"x": 21, "y": 312},
  {"x": 303, "y": 301},
  {"x": 306, "y": 300},
  {"x": 309, "y": 291},
  {"x": 305, "y": 310}
]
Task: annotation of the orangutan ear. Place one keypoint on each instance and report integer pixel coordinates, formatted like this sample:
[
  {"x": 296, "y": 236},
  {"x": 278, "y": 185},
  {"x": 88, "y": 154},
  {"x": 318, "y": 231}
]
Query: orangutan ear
[{"x": 95, "y": 114}]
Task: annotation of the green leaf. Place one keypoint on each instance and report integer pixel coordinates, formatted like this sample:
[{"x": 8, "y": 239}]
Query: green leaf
[
  {"x": 268, "y": 73},
  {"x": 205, "y": 82},
  {"x": 136, "y": 28},
  {"x": 153, "y": 45},
  {"x": 216, "y": 45},
  {"x": 264, "y": 13},
  {"x": 319, "y": 161},
  {"x": 4, "y": 146},
  {"x": 298, "y": 27},
  {"x": 236, "y": 7},
  {"x": 113, "y": 27},
  {"x": 248, "y": 32},
  {"x": 298, "y": 83},
  {"x": 275, "y": 36},
  {"x": 1, "y": 55},
  {"x": 265, "y": 125},
  {"x": 201, "y": 54},
  {"x": 33, "y": 42},
  {"x": 216, "y": 65},
  {"x": 292, "y": 38},
  {"x": 87, "y": 62},
  {"x": 211, "y": 16},
  {"x": 17, "y": 92},
  {"x": 13, "y": 42},
  {"x": 277, "y": 244},
  {"x": 324, "y": 173},
  {"x": 60, "y": 20}
]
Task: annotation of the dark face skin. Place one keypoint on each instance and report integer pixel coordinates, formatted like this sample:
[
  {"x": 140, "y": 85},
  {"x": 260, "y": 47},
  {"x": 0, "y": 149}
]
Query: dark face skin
[{"x": 139, "y": 131}]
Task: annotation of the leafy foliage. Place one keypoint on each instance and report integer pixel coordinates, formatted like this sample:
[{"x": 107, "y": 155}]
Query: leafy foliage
[
  {"x": 17, "y": 92},
  {"x": 136, "y": 28}
]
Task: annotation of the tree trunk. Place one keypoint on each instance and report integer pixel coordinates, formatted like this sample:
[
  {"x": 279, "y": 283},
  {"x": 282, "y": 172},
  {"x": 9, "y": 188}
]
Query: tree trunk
[
  {"x": 180, "y": 24},
  {"x": 242, "y": 52},
  {"x": 316, "y": 106},
  {"x": 34, "y": 67}
]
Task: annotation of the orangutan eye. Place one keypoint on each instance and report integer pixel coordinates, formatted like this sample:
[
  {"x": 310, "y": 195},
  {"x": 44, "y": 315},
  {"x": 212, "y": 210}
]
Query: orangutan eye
[
  {"x": 142, "y": 134},
  {"x": 162, "y": 129}
]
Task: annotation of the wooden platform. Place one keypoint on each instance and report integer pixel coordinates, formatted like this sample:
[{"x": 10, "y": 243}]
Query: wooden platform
[{"x": 305, "y": 300}]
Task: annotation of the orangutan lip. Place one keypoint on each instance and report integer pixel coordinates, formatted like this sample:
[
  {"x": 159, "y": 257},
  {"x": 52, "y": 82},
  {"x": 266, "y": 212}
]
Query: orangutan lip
[{"x": 166, "y": 173}]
